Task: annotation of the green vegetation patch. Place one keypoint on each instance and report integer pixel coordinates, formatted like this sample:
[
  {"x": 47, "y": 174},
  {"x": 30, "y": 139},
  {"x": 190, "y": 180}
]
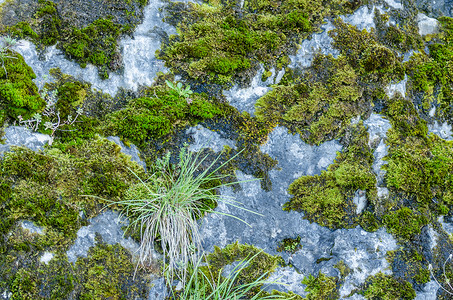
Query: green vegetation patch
[
  {"x": 419, "y": 165},
  {"x": 107, "y": 271},
  {"x": 48, "y": 187},
  {"x": 221, "y": 41},
  {"x": 321, "y": 287},
  {"x": 372, "y": 61},
  {"x": 19, "y": 95},
  {"x": 158, "y": 113},
  {"x": 431, "y": 73},
  {"x": 86, "y": 40},
  {"x": 262, "y": 263},
  {"x": 386, "y": 287},
  {"x": 327, "y": 198},
  {"x": 404, "y": 223},
  {"x": 319, "y": 105}
]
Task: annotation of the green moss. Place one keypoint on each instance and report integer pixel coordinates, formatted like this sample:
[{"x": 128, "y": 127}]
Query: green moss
[
  {"x": 327, "y": 198},
  {"x": 404, "y": 223},
  {"x": 18, "y": 93},
  {"x": 218, "y": 42},
  {"x": 108, "y": 272},
  {"x": 289, "y": 245},
  {"x": 49, "y": 186},
  {"x": 386, "y": 287},
  {"x": 50, "y": 25},
  {"x": 96, "y": 44},
  {"x": 158, "y": 114},
  {"x": 318, "y": 108},
  {"x": 432, "y": 72},
  {"x": 321, "y": 287},
  {"x": 418, "y": 165},
  {"x": 262, "y": 264},
  {"x": 370, "y": 59},
  {"x": 343, "y": 269}
]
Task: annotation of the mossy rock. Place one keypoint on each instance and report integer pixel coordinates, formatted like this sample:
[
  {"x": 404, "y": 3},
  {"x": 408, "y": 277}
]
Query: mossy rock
[
  {"x": 386, "y": 287},
  {"x": 158, "y": 114},
  {"x": 321, "y": 287},
  {"x": 327, "y": 198},
  {"x": 219, "y": 42},
  {"x": 108, "y": 272},
  {"x": 50, "y": 187},
  {"x": 19, "y": 95},
  {"x": 318, "y": 107},
  {"x": 86, "y": 31}
]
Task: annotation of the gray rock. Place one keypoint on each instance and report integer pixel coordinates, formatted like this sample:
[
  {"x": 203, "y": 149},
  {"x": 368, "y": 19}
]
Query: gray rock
[
  {"x": 158, "y": 290},
  {"x": 108, "y": 225},
  {"x": 426, "y": 25},
  {"x": 244, "y": 98},
  {"x": 319, "y": 42},
  {"x": 205, "y": 138},
  {"x": 132, "y": 150},
  {"x": 322, "y": 248},
  {"x": 30, "y": 226},
  {"x": 435, "y": 8},
  {"x": 360, "y": 201},
  {"x": 22, "y": 136},
  {"x": 442, "y": 130}
]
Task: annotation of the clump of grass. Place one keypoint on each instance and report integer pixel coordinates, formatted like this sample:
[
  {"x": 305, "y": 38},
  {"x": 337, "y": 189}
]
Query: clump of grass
[
  {"x": 167, "y": 205},
  {"x": 202, "y": 284}
]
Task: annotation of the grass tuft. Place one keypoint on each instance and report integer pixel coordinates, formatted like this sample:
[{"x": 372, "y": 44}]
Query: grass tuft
[{"x": 167, "y": 205}]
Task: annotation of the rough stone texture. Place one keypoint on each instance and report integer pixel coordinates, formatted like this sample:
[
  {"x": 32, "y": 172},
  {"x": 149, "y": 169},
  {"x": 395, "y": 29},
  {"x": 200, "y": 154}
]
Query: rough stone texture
[
  {"x": 132, "y": 151},
  {"x": 138, "y": 53},
  {"x": 363, "y": 18},
  {"x": 377, "y": 129},
  {"x": 399, "y": 87},
  {"x": 30, "y": 226},
  {"x": 442, "y": 130},
  {"x": 108, "y": 225},
  {"x": 205, "y": 138},
  {"x": 436, "y": 8},
  {"x": 318, "y": 43},
  {"x": 426, "y": 25},
  {"x": 24, "y": 137},
  {"x": 244, "y": 98},
  {"x": 273, "y": 224}
]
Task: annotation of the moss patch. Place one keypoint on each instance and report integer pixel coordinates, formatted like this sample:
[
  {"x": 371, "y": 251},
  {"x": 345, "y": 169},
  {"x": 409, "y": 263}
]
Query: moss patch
[
  {"x": 319, "y": 105},
  {"x": 386, "y": 287},
  {"x": 19, "y": 95},
  {"x": 86, "y": 40},
  {"x": 327, "y": 198},
  {"x": 221, "y": 41},
  {"x": 321, "y": 287},
  {"x": 48, "y": 187}
]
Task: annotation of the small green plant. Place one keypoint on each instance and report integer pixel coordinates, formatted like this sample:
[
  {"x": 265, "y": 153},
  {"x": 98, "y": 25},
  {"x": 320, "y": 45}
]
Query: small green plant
[
  {"x": 51, "y": 113},
  {"x": 166, "y": 206},
  {"x": 290, "y": 245},
  {"x": 180, "y": 91},
  {"x": 202, "y": 285}
]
